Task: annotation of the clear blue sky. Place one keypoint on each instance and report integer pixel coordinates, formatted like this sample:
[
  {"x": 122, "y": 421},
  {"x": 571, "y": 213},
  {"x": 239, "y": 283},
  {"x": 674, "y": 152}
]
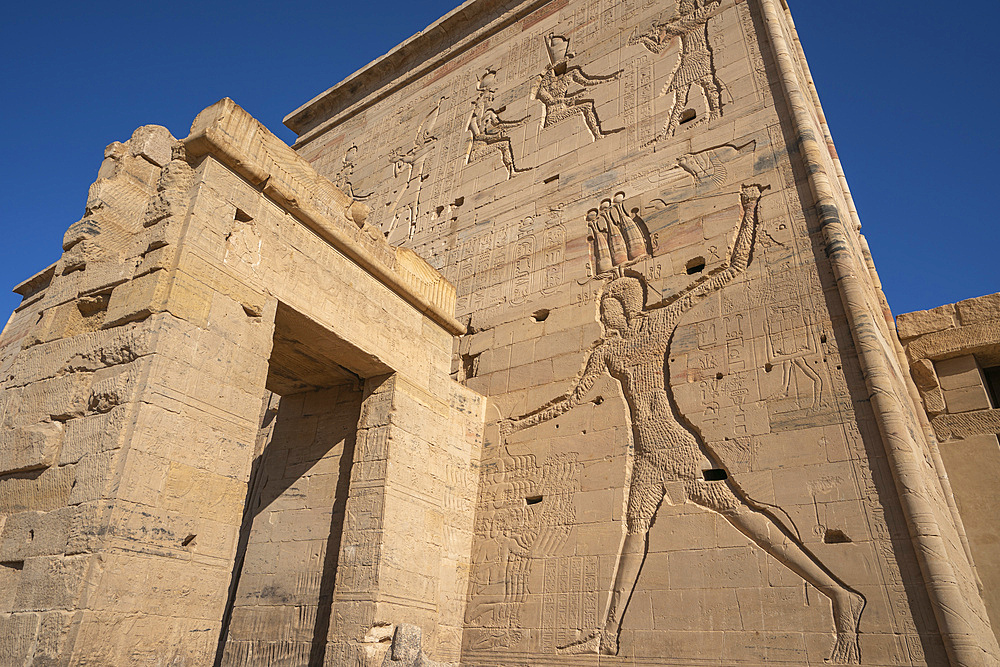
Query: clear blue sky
[{"x": 909, "y": 90}]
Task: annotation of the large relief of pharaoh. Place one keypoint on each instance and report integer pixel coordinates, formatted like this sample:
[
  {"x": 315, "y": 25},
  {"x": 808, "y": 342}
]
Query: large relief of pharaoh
[{"x": 673, "y": 463}]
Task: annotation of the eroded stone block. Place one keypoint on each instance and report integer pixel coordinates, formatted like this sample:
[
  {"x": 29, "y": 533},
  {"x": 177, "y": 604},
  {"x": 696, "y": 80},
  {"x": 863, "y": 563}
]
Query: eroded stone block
[
  {"x": 910, "y": 325},
  {"x": 31, "y": 447}
]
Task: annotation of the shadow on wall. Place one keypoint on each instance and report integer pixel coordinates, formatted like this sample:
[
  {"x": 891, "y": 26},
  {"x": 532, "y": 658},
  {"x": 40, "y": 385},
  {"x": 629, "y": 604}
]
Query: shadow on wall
[{"x": 281, "y": 592}]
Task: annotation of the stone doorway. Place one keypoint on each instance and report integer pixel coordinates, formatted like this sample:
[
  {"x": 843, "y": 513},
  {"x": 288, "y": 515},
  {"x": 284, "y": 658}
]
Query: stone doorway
[{"x": 280, "y": 598}]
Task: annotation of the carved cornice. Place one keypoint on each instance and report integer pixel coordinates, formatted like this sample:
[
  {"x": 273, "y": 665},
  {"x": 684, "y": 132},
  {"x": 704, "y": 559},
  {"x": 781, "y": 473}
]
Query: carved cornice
[{"x": 233, "y": 137}]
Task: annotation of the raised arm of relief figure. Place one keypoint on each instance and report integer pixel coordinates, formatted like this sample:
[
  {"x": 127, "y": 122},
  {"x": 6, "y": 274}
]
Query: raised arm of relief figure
[
  {"x": 596, "y": 364},
  {"x": 696, "y": 19},
  {"x": 579, "y": 77},
  {"x": 738, "y": 261}
]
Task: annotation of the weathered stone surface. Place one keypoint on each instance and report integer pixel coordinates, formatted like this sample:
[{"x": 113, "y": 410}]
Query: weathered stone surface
[
  {"x": 961, "y": 426},
  {"x": 157, "y": 380},
  {"x": 30, "y": 447},
  {"x": 954, "y": 342},
  {"x": 923, "y": 322},
  {"x": 980, "y": 309},
  {"x": 17, "y": 636},
  {"x": 405, "y": 650},
  {"x": 933, "y": 401},
  {"x": 153, "y": 143},
  {"x": 974, "y": 463},
  {"x": 948, "y": 367},
  {"x": 236, "y": 410},
  {"x": 42, "y": 491},
  {"x": 959, "y": 372},
  {"x": 29, "y": 534},
  {"x": 924, "y": 374},
  {"x": 50, "y": 583}
]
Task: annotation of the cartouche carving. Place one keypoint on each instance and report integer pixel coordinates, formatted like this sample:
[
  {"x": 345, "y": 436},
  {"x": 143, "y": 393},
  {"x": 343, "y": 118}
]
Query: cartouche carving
[
  {"x": 672, "y": 461},
  {"x": 552, "y": 89},
  {"x": 696, "y": 66},
  {"x": 617, "y": 237},
  {"x": 489, "y": 131}
]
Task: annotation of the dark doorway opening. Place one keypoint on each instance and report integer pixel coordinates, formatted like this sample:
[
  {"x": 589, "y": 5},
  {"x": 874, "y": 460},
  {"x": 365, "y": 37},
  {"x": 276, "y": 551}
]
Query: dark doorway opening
[{"x": 281, "y": 592}]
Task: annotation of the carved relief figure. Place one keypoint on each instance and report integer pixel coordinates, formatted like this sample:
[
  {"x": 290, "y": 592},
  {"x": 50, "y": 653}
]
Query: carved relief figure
[
  {"x": 552, "y": 89},
  {"x": 617, "y": 237},
  {"x": 525, "y": 513},
  {"x": 793, "y": 349},
  {"x": 410, "y": 165},
  {"x": 244, "y": 243},
  {"x": 710, "y": 164},
  {"x": 489, "y": 131},
  {"x": 672, "y": 461},
  {"x": 794, "y": 340},
  {"x": 342, "y": 179},
  {"x": 696, "y": 66}
]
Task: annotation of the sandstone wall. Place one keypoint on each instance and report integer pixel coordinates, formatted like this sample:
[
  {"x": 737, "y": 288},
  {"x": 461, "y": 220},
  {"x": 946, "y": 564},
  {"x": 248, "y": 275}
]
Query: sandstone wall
[
  {"x": 544, "y": 155},
  {"x": 294, "y": 523},
  {"x": 208, "y": 276},
  {"x": 703, "y": 443}
]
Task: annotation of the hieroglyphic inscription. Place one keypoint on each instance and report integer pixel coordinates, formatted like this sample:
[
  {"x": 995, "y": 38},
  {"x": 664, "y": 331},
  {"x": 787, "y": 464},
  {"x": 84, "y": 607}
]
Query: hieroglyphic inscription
[
  {"x": 519, "y": 60},
  {"x": 589, "y": 15},
  {"x": 569, "y": 599},
  {"x": 645, "y": 130},
  {"x": 455, "y": 116},
  {"x": 753, "y": 50},
  {"x": 484, "y": 249},
  {"x": 524, "y": 256},
  {"x": 629, "y": 8},
  {"x": 509, "y": 263},
  {"x": 466, "y": 275},
  {"x": 499, "y": 267},
  {"x": 608, "y": 16},
  {"x": 629, "y": 107},
  {"x": 553, "y": 253}
]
